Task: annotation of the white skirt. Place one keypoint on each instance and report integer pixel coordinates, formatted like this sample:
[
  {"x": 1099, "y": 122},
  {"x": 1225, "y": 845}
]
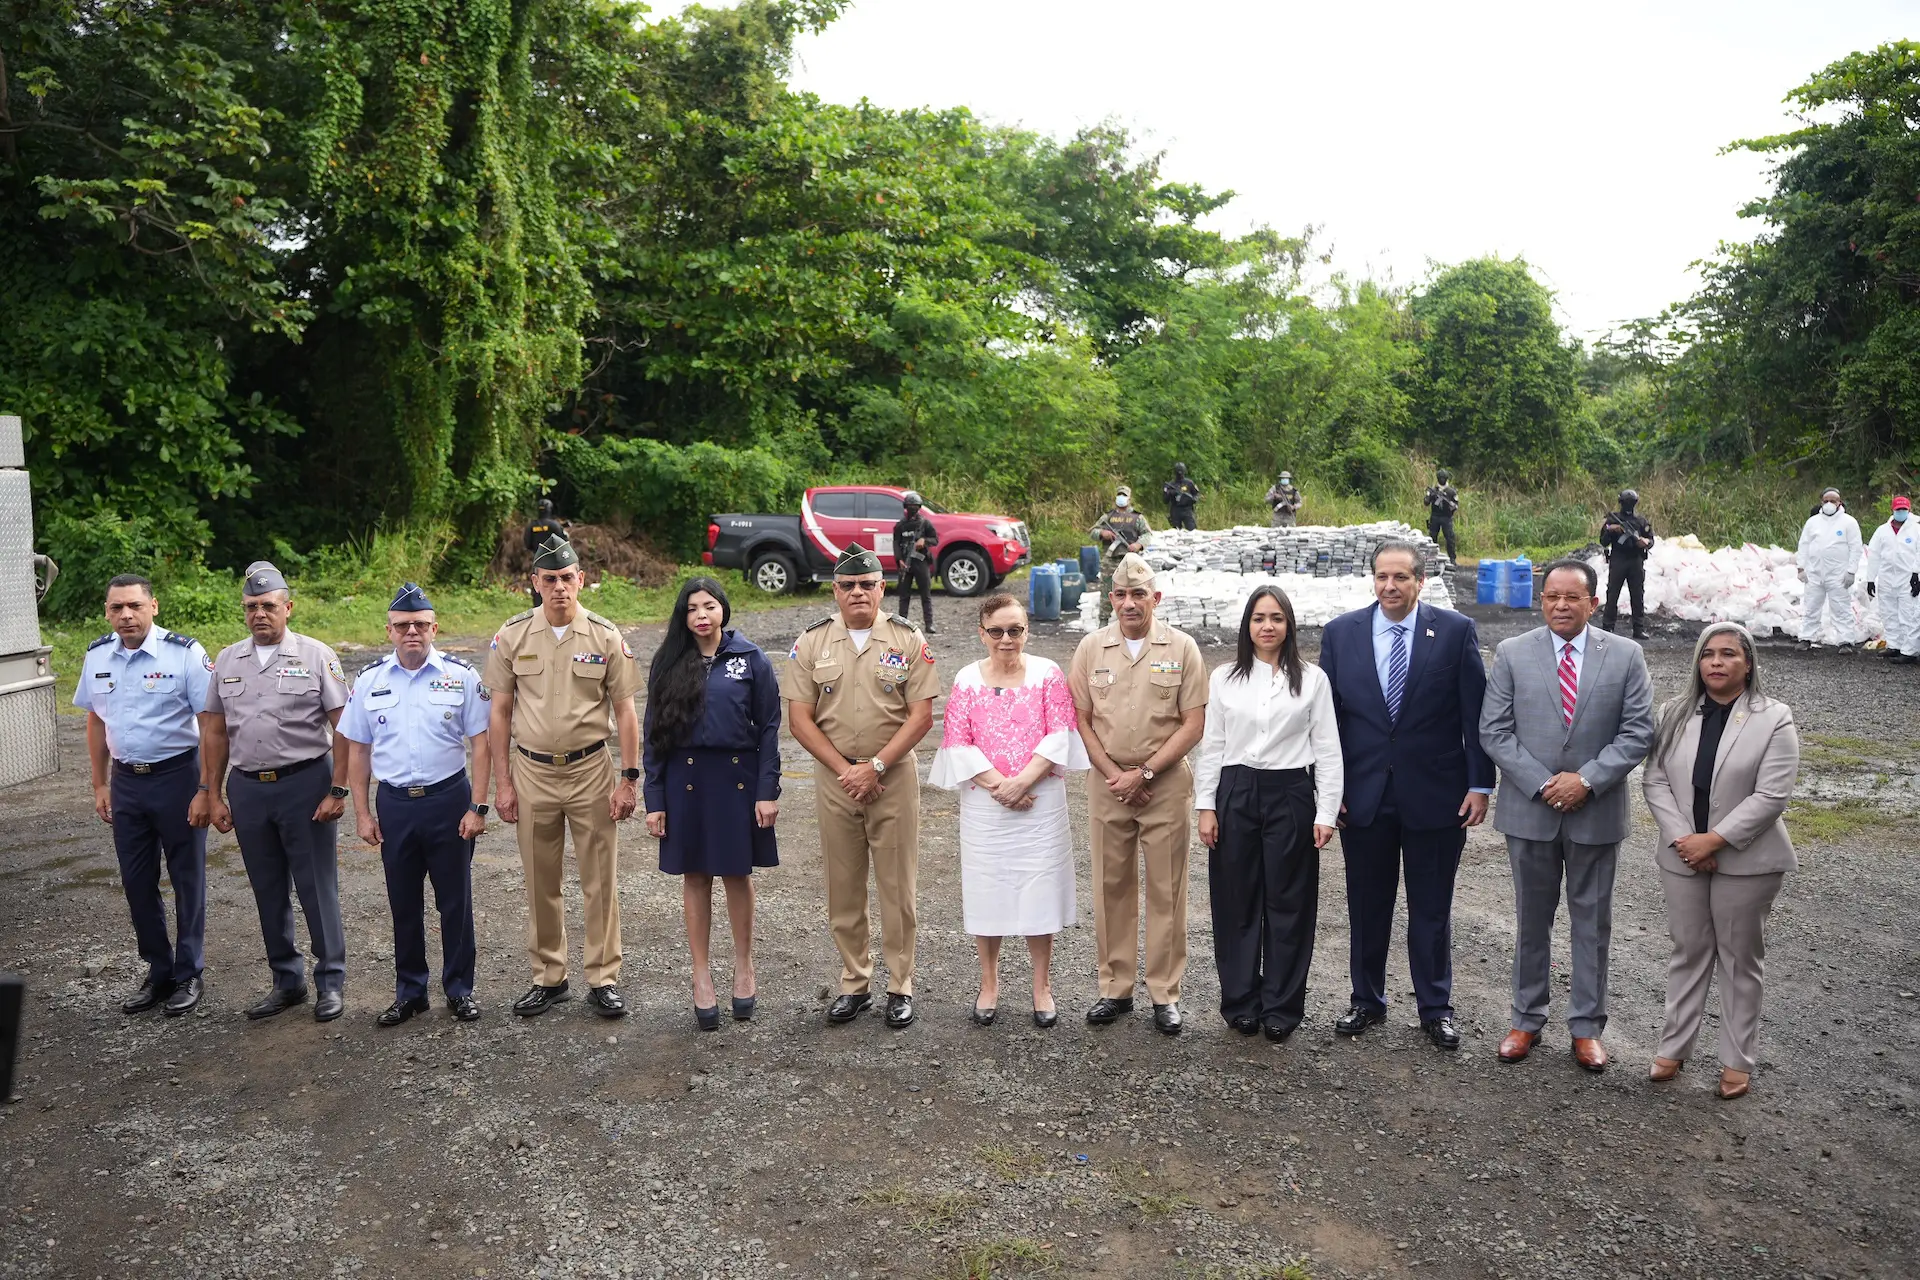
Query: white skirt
[{"x": 1016, "y": 869}]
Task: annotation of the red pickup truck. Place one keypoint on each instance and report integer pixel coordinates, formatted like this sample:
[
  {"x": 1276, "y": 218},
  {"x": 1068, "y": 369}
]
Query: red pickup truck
[{"x": 779, "y": 553}]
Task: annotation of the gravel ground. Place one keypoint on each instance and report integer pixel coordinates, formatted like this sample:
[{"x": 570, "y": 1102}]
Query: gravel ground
[{"x": 566, "y": 1145}]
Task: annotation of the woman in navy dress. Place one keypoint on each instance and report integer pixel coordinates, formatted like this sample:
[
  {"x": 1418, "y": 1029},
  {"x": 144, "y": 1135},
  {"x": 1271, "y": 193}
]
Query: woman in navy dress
[{"x": 712, "y": 763}]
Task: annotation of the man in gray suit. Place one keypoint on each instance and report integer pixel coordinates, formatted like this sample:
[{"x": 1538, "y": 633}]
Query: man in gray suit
[{"x": 1568, "y": 714}]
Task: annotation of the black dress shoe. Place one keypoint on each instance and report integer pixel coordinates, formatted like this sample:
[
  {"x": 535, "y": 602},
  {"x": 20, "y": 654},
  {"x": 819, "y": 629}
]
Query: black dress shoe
[
  {"x": 606, "y": 1002},
  {"x": 1245, "y": 1026},
  {"x": 329, "y": 1005},
  {"x": 707, "y": 1019},
  {"x": 1167, "y": 1018},
  {"x": 983, "y": 1017},
  {"x": 1277, "y": 1031},
  {"x": 849, "y": 1007},
  {"x": 465, "y": 1008},
  {"x": 150, "y": 994},
  {"x": 278, "y": 1000},
  {"x": 539, "y": 999},
  {"x": 400, "y": 1010},
  {"x": 1358, "y": 1019},
  {"x": 1044, "y": 1018},
  {"x": 743, "y": 1008},
  {"x": 1109, "y": 1009},
  {"x": 185, "y": 997},
  {"x": 899, "y": 1011},
  {"x": 1442, "y": 1032}
]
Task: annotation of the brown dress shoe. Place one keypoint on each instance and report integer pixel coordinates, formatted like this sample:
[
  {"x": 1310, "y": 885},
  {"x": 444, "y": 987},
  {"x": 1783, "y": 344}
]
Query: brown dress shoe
[
  {"x": 1664, "y": 1069},
  {"x": 1590, "y": 1053},
  {"x": 1517, "y": 1045}
]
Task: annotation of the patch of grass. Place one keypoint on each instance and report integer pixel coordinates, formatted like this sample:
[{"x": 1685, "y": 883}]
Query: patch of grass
[
  {"x": 931, "y": 1211},
  {"x": 1010, "y": 1163},
  {"x": 1834, "y": 823},
  {"x": 1841, "y": 742},
  {"x": 1009, "y": 1256},
  {"x": 1151, "y": 1203}
]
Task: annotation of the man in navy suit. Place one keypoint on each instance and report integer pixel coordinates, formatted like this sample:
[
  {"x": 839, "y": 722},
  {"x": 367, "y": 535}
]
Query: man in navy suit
[{"x": 1417, "y": 778}]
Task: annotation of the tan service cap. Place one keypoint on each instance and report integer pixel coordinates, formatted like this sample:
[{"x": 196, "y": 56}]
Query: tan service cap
[{"x": 1133, "y": 572}]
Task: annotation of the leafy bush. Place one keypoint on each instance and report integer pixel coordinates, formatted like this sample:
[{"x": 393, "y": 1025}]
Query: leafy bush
[
  {"x": 672, "y": 489},
  {"x": 94, "y": 550}
]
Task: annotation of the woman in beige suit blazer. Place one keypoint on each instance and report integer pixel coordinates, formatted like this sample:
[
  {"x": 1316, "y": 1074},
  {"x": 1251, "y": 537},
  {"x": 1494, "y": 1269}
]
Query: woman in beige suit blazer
[{"x": 1723, "y": 848}]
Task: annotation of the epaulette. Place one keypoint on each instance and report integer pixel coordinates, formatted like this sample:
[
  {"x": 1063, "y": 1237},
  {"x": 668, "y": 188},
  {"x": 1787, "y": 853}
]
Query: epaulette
[
  {"x": 102, "y": 640},
  {"x": 811, "y": 626},
  {"x": 594, "y": 617},
  {"x": 185, "y": 642},
  {"x": 522, "y": 616},
  {"x": 456, "y": 661},
  {"x": 903, "y": 620}
]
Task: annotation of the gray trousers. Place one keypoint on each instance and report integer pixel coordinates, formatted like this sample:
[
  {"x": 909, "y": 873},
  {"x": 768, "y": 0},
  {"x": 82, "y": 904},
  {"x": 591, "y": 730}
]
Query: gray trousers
[
  {"x": 1716, "y": 918},
  {"x": 1538, "y": 867},
  {"x": 286, "y": 853}
]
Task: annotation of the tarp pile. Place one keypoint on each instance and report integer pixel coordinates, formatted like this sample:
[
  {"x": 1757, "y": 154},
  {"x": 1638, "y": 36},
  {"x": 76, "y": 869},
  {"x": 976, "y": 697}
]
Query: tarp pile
[
  {"x": 1205, "y": 576},
  {"x": 1758, "y": 587}
]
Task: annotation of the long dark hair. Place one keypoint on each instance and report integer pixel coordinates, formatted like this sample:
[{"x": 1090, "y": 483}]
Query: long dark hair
[
  {"x": 677, "y": 681},
  {"x": 1289, "y": 647}
]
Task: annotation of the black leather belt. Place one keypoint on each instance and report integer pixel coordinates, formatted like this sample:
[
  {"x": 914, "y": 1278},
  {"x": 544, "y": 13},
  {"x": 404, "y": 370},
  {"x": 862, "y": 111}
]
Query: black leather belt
[
  {"x": 431, "y": 789},
  {"x": 562, "y": 757},
  {"x": 159, "y": 766},
  {"x": 283, "y": 772}
]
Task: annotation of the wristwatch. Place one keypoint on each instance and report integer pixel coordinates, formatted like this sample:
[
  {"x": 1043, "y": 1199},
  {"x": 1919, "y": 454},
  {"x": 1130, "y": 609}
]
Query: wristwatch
[
  {"x": 477, "y": 808},
  {"x": 1584, "y": 782},
  {"x": 631, "y": 775},
  {"x": 338, "y": 793},
  {"x": 879, "y": 765},
  {"x": 1146, "y": 774}
]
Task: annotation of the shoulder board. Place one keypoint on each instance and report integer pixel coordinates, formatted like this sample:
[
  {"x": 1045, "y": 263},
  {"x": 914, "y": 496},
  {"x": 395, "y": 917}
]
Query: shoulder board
[
  {"x": 811, "y": 626},
  {"x": 903, "y": 620},
  {"x": 455, "y": 661},
  {"x": 594, "y": 617},
  {"x": 102, "y": 640},
  {"x": 185, "y": 642},
  {"x": 522, "y": 616}
]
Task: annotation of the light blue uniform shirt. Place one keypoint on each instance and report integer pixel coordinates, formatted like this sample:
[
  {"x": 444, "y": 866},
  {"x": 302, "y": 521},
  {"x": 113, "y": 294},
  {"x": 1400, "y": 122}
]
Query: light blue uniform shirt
[
  {"x": 417, "y": 722},
  {"x": 147, "y": 697},
  {"x": 1383, "y": 653}
]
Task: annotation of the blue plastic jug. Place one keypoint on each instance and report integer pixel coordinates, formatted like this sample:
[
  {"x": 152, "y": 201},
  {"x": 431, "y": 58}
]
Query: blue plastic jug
[
  {"x": 1072, "y": 587},
  {"x": 1491, "y": 582},
  {"x": 1043, "y": 593},
  {"x": 1520, "y": 584},
  {"x": 1090, "y": 563}
]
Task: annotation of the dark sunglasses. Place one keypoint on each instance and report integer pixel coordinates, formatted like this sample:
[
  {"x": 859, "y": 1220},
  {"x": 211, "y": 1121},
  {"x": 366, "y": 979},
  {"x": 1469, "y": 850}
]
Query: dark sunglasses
[
  {"x": 410, "y": 626},
  {"x": 1001, "y": 633}
]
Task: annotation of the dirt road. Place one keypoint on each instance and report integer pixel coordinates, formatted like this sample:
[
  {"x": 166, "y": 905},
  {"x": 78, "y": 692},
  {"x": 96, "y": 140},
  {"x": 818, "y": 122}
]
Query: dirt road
[{"x": 566, "y": 1145}]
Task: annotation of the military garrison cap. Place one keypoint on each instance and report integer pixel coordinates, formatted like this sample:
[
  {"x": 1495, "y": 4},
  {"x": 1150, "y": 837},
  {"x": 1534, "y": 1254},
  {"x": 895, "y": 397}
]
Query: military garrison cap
[
  {"x": 555, "y": 553},
  {"x": 262, "y": 577},
  {"x": 1132, "y": 572},
  {"x": 855, "y": 560},
  {"x": 410, "y": 599}
]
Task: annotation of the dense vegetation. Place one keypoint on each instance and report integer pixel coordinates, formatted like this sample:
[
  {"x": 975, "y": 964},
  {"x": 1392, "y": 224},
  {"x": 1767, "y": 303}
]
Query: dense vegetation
[{"x": 311, "y": 278}]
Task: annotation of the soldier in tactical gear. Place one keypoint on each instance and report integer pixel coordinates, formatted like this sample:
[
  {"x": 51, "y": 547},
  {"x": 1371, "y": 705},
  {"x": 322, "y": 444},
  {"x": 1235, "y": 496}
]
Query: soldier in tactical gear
[
  {"x": 1285, "y": 501},
  {"x": 1625, "y": 539},
  {"x": 1442, "y": 501},
  {"x": 1181, "y": 495},
  {"x": 1118, "y": 532},
  {"x": 913, "y": 544}
]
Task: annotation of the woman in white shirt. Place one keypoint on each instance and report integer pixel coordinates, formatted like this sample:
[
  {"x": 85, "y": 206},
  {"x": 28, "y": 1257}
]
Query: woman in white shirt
[{"x": 1267, "y": 785}]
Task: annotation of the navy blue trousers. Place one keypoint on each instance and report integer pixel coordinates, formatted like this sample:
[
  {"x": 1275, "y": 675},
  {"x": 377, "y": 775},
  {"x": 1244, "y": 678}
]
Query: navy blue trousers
[
  {"x": 288, "y": 854},
  {"x": 1375, "y": 854},
  {"x": 150, "y": 827},
  {"x": 420, "y": 841}
]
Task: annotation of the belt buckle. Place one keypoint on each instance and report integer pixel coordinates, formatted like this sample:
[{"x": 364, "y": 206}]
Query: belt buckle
[
  {"x": 141, "y": 768},
  {"x": 565, "y": 757},
  {"x": 269, "y": 775},
  {"x": 414, "y": 793}
]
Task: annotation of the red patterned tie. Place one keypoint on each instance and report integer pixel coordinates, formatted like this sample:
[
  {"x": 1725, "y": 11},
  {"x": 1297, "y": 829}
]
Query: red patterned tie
[{"x": 1569, "y": 683}]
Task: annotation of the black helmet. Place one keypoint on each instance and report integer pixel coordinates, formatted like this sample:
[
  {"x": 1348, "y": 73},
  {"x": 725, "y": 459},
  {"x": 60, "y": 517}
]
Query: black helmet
[
  {"x": 546, "y": 506},
  {"x": 1445, "y": 475},
  {"x": 1629, "y": 499},
  {"x": 1180, "y": 469},
  {"x": 911, "y": 500}
]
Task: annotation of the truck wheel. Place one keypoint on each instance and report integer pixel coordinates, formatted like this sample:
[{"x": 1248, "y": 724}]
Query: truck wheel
[
  {"x": 965, "y": 573},
  {"x": 773, "y": 573}
]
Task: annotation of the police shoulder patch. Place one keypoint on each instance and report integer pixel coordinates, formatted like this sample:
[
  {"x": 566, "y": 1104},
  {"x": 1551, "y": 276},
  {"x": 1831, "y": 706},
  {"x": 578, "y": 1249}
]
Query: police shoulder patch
[
  {"x": 185, "y": 642},
  {"x": 102, "y": 640}
]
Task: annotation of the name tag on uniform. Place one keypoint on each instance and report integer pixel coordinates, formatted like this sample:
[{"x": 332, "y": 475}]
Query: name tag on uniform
[
  {"x": 229, "y": 679},
  {"x": 1102, "y": 677},
  {"x": 1165, "y": 668},
  {"x": 591, "y": 659},
  {"x": 383, "y": 694}
]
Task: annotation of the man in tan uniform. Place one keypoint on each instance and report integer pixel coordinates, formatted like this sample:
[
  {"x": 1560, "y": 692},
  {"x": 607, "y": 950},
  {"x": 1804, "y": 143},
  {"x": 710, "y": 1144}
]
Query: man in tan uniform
[
  {"x": 859, "y": 688},
  {"x": 560, "y": 678},
  {"x": 1140, "y": 689}
]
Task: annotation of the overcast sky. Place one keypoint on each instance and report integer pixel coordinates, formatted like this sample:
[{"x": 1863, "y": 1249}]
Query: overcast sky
[{"x": 1582, "y": 136}]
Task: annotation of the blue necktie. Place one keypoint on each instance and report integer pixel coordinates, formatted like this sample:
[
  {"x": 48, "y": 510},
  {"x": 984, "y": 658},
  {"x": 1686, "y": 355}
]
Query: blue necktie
[{"x": 1396, "y": 672}]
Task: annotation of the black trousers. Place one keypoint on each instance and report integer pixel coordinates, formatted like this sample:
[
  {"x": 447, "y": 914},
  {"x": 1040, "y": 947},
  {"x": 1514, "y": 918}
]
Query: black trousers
[
  {"x": 1374, "y": 855},
  {"x": 1632, "y": 574},
  {"x": 1180, "y": 518},
  {"x": 1264, "y": 879},
  {"x": 149, "y": 829},
  {"x": 911, "y": 572},
  {"x": 422, "y": 843},
  {"x": 1440, "y": 528}
]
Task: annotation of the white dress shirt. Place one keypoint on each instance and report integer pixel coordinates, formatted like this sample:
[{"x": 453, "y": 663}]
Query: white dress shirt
[
  {"x": 1579, "y": 643},
  {"x": 1383, "y": 641},
  {"x": 1260, "y": 723}
]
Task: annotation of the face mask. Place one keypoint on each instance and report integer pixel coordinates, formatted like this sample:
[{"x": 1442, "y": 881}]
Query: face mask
[
  {"x": 1899, "y": 517},
  {"x": 1828, "y": 508},
  {"x": 1120, "y": 503}
]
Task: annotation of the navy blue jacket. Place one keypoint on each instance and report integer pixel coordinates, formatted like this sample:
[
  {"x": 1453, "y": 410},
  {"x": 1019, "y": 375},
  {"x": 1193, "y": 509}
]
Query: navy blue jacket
[
  {"x": 1432, "y": 753},
  {"x": 742, "y": 713}
]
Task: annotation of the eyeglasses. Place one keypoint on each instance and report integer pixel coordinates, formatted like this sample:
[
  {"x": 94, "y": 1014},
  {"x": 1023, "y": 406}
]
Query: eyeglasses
[
  {"x": 410, "y": 626},
  {"x": 851, "y": 587},
  {"x": 1002, "y": 633}
]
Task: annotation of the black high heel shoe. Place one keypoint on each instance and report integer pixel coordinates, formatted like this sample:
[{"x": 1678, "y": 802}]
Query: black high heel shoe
[
  {"x": 743, "y": 1008},
  {"x": 1044, "y": 1018},
  {"x": 983, "y": 1017},
  {"x": 708, "y": 1018}
]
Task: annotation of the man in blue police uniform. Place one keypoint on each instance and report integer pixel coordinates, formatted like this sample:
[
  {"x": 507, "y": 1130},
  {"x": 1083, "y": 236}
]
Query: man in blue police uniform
[
  {"x": 142, "y": 686},
  {"x": 408, "y": 722}
]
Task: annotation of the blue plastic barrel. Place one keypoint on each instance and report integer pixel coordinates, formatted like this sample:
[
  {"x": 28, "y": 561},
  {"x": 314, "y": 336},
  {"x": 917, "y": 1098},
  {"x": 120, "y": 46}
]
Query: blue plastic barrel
[
  {"x": 1520, "y": 584},
  {"x": 1090, "y": 563},
  {"x": 1491, "y": 584},
  {"x": 1043, "y": 593},
  {"x": 1072, "y": 586}
]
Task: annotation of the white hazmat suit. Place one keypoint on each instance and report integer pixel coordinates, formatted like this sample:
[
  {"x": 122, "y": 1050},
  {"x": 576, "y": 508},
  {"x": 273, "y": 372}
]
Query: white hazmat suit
[
  {"x": 1893, "y": 557},
  {"x": 1829, "y": 553}
]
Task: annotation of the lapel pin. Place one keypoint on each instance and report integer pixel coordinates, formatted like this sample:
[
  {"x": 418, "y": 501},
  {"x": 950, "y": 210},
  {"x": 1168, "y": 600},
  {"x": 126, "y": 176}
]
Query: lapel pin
[{"x": 1429, "y": 633}]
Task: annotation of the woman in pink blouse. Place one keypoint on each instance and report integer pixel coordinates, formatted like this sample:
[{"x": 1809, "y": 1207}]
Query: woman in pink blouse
[{"x": 1010, "y": 737}]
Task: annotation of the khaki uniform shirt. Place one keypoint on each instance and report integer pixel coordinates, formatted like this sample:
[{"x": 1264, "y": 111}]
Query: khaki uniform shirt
[
  {"x": 1137, "y": 702},
  {"x": 565, "y": 690},
  {"x": 277, "y": 715},
  {"x": 860, "y": 698}
]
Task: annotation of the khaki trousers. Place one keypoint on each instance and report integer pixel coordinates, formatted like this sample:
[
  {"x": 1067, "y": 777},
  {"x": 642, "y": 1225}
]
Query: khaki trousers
[
  {"x": 885, "y": 834},
  {"x": 552, "y": 799},
  {"x": 1123, "y": 839},
  {"x": 1716, "y": 919}
]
